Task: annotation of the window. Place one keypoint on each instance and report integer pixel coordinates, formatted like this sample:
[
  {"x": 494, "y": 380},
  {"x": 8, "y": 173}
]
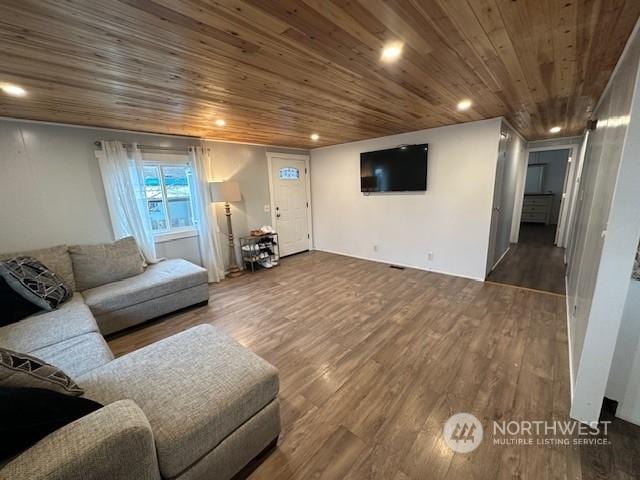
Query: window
[
  {"x": 168, "y": 194},
  {"x": 289, "y": 173}
]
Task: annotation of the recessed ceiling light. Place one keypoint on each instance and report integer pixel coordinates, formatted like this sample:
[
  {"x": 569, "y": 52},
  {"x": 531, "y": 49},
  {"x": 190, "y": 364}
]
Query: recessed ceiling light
[
  {"x": 220, "y": 122},
  {"x": 554, "y": 129},
  {"x": 13, "y": 90},
  {"x": 465, "y": 104},
  {"x": 391, "y": 52},
  {"x": 315, "y": 136}
]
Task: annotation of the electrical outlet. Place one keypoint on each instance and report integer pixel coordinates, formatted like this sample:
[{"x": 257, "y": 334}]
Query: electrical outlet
[
  {"x": 375, "y": 248},
  {"x": 430, "y": 256}
]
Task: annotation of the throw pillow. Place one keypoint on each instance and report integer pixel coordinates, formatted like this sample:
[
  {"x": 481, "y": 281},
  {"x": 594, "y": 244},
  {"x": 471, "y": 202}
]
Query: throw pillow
[
  {"x": 22, "y": 370},
  {"x": 13, "y": 307},
  {"x": 35, "y": 282},
  {"x": 30, "y": 414},
  {"x": 56, "y": 258},
  {"x": 96, "y": 265}
]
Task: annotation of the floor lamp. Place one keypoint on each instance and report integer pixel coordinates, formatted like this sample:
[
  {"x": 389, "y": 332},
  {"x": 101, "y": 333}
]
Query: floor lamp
[{"x": 228, "y": 192}]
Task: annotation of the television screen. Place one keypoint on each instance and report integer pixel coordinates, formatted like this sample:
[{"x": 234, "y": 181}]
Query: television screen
[{"x": 401, "y": 169}]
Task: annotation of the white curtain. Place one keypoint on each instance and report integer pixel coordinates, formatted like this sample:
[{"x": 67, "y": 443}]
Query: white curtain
[
  {"x": 123, "y": 180},
  {"x": 205, "y": 213}
]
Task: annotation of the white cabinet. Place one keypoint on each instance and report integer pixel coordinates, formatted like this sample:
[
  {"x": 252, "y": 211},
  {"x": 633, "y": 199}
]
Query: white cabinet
[{"x": 536, "y": 208}]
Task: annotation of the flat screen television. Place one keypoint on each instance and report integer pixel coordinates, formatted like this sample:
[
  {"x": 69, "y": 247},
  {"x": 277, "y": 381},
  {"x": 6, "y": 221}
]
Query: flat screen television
[{"x": 400, "y": 169}]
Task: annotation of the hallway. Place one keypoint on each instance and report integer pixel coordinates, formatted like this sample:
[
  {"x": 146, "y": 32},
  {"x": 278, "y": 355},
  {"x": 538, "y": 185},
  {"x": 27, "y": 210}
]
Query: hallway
[{"x": 534, "y": 262}]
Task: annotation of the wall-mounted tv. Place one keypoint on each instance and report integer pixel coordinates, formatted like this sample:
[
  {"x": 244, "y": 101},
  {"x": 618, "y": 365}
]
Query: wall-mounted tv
[{"x": 400, "y": 169}]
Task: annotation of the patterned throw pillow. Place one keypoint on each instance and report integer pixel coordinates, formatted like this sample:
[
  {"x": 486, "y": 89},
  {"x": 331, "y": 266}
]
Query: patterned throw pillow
[
  {"x": 22, "y": 370},
  {"x": 35, "y": 282}
]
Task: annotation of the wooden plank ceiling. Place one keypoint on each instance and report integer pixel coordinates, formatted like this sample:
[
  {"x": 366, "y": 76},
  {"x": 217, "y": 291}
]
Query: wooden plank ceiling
[{"x": 277, "y": 71}]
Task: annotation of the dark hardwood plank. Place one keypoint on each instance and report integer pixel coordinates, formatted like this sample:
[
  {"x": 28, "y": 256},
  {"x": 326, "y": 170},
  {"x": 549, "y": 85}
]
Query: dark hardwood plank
[
  {"x": 534, "y": 262},
  {"x": 374, "y": 360}
]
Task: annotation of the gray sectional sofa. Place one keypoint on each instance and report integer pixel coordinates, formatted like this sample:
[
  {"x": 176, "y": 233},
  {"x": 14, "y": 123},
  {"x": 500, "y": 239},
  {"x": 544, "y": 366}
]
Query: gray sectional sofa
[{"x": 196, "y": 405}]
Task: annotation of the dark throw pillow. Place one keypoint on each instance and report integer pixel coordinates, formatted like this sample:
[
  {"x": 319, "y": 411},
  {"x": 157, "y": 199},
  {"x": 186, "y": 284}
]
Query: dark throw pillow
[
  {"x": 35, "y": 282},
  {"x": 22, "y": 370},
  {"x": 30, "y": 414},
  {"x": 13, "y": 307}
]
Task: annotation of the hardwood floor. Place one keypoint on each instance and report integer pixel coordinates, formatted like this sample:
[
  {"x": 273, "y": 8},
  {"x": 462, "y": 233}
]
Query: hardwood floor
[
  {"x": 534, "y": 262},
  {"x": 374, "y": 360}
]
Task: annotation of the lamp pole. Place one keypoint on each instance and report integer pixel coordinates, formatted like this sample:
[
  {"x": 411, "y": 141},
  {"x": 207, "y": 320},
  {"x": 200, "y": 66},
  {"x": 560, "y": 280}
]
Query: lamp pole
[{"x": 234, "y": 271}]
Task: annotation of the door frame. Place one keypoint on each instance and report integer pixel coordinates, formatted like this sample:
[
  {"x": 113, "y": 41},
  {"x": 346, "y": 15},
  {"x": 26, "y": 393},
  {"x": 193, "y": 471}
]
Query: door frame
[
  {"x": 568, "y": 189},
  {"x": 307, "y": 177}
]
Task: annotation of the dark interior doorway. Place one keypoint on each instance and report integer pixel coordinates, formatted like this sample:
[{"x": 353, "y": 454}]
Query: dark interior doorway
[{"x": 535, "y": 261}]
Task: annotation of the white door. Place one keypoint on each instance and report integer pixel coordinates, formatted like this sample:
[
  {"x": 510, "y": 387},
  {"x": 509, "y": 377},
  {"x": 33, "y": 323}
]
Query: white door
[
  {"x": 494, "y": 252},
  {"x": 290, "y": 203}
]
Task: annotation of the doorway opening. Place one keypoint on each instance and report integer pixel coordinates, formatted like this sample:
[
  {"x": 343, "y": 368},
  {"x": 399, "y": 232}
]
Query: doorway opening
[{"x": 537, "y": 259}]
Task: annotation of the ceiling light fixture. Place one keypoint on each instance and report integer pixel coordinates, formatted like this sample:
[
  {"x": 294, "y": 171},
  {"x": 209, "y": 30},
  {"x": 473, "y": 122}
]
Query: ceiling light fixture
[
  {"x": 391, "y": 52},
  {"x": 220, "y": 122},
  {"x": 464, "y": 104},
  {"x": 554, "y": 129},
  {"x": 315, "y": 137},
  {"x": 13, "y": 90}
]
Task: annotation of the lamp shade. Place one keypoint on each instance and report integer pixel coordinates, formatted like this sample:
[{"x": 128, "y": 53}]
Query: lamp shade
[{"x": 225, "y": 191}]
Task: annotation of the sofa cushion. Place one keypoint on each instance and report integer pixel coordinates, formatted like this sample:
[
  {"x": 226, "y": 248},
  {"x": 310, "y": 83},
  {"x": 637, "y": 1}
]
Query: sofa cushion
[
  {"x": 77, "y": 355},
  {"x": 57, "y": 259},
  {"x": 22, "y": 370},
  {"x": 30, "y": 414},
  {"x": 157, "y": 280},
  {"x": 73, "y": 318},
  {"x": 196, "y": 388},
  {"x": 95, "y": 265},
  {"x": 35, "y": 282}
]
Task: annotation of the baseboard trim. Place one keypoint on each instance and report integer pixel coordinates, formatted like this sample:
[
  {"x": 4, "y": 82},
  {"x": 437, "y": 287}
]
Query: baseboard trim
[
  {"x": 406, "y": 265},
  {"x": 569, "y": 342}
]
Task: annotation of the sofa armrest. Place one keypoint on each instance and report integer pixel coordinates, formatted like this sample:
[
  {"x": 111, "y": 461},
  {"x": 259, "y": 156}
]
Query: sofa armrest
[{"x": 115, "y": 442}]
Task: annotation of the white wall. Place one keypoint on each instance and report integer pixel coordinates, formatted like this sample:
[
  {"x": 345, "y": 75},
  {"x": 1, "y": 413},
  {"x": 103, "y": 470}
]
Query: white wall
[
  {"x": 624, "y": 378},
  {"x": 607, "y": 227},
  {"x": 627, "y": 347},
  {"x": 451, "y": 219},
  {"x": 51, "y": 191}
]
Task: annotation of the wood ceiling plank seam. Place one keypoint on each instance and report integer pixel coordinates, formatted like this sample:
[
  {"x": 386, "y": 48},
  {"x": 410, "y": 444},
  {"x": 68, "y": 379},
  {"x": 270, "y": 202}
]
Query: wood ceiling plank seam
[
  {"x": 174, "y": 17},
  {"x": 35, "y": 70},
  {"x": 609, "y": 41},
  {"x": 85, "y": 102},
  {"x": 364, "y": 68},
  {"x": 515, "y": 18},
  {"x": 334, "y": 15},
  {"x": 305, "y": 29},
  {"x": 476, "y": 38},
  {"x": 430, "y": 63},
  {"x": 595, "y": 76},
  {"x": 585, "y": 27},
  {"x": 176, "y": 67},
  {"x": 448, "y": 32},
  {"x": 491, "y": 21},
  {"x": 265, "y": 39},
  {"x": 397, "y": 25},
  {"x": 504, "y": 18}
]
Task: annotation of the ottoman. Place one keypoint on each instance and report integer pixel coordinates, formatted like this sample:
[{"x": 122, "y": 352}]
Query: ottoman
[{"x": 212, "y": 404}]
